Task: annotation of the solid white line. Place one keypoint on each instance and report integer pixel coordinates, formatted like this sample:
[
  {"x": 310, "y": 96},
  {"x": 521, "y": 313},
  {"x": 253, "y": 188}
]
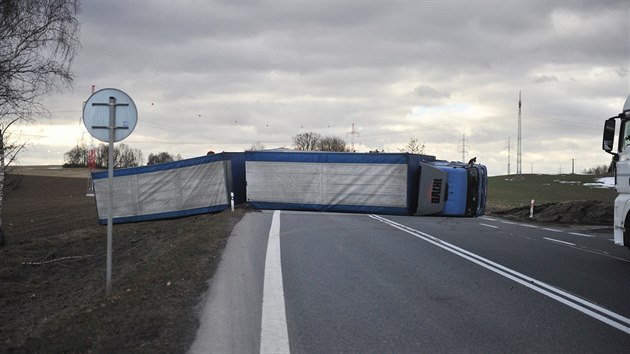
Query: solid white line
[
  {"x": 591, "y": 309},
  {"x": 274, "y": 336},
  {"x": 579, "y": 234},
  {"x": 563, "y": 242},
  {"x": 492, "y": 226}
]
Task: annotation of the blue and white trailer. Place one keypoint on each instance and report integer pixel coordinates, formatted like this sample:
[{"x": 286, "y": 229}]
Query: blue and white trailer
[
  {"x": 394, "y": 183},
  {"x": 397, "y": 184}
]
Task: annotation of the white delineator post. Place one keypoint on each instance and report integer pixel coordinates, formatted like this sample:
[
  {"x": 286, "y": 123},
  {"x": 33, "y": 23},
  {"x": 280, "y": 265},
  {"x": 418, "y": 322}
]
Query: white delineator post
[
  {"x": 531, "y": 209},
  {"x": 232, "y": 200}
]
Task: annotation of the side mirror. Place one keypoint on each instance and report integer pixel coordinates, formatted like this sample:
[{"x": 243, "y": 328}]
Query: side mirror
[{"x": 609, "y": 135}]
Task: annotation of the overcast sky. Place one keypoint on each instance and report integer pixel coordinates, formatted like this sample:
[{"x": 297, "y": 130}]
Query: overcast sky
[{"x": 222, "y": 75}]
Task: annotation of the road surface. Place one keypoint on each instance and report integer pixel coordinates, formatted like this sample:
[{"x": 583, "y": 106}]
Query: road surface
[{"x": 318, "y": 282}]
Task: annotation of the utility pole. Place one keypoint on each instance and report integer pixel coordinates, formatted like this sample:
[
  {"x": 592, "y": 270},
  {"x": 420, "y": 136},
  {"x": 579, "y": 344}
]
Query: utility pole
[
  {"x": 352, "y": 133},
  {"x": 518, "y": 143},
  {"x": 572, "y": 166}
]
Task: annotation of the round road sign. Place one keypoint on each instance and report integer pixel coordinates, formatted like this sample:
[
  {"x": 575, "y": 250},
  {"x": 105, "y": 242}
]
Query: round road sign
[{"x": 96, "y": 114}]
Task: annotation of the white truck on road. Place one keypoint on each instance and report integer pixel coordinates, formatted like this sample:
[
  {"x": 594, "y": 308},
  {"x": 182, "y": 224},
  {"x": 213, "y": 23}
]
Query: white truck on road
[{"x": 621, "y": 166}]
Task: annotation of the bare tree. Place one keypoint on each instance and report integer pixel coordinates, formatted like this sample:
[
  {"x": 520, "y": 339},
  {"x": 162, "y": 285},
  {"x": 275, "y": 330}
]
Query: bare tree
[
  {"x": 38, "y": 42},
  {"x": 76, "y": 157},
  {"x": 161, "y": 157},
  {"x": 332, "y": 143},
  {"x": 598, "y": 170},
  {"x": 102, "y": 157},
  {"x": 306, "y": 141},
  {"x": 127, "y": 156},
  {"x": 413, "y": 147},
  {"x": 257, "y": 146}
]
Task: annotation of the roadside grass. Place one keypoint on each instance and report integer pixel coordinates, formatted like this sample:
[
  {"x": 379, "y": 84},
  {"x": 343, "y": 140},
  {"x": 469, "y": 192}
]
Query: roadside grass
[{"x": 513, "y": 191}]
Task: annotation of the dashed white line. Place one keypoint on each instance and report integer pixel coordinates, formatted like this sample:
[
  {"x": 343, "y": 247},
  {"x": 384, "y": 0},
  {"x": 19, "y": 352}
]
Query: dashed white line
[
  {"x": 530, "y": 225},
  {"x": 487, "y": 225},
  {"x": 550, "y": 229},
  {"x": 487, "y": 218},
  {"x": 558, "y": 241},
  {"x": 579, "y": 234}
]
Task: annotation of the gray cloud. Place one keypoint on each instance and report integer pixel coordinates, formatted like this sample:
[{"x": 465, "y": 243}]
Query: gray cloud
[
  {"x": 264, "y": 71},
  {"x": 545, "y": 78}
]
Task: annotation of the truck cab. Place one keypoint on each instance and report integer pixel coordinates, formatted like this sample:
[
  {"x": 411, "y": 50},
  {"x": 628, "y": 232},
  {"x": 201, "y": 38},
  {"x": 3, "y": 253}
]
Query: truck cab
[
  {"x": 621, "y": 164},
  {"x": 452, "y": 189}
]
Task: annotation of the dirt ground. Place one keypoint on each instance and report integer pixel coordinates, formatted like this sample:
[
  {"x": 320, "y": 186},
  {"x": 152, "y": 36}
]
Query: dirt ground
[
  {"x": 52, "y": 273},
  {"x": 580, "y": 212}
]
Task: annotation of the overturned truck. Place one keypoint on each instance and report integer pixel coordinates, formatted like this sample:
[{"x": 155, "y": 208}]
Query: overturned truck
[{"x": 397, "y": 184}]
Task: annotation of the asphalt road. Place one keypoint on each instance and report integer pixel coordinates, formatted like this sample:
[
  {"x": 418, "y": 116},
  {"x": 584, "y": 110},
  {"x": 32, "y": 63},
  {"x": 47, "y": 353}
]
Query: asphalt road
[{"x": 368, "y": 283}]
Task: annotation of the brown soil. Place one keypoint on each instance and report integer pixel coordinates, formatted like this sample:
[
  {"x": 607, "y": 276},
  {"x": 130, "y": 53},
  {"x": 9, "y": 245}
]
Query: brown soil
[
  {"x": 581, "y": 212},
  {"x": 52, "y": 273}
]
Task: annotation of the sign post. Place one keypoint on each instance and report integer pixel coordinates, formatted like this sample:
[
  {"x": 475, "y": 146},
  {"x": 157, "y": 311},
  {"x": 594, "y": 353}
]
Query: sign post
[{"x": 104, "y": 127}]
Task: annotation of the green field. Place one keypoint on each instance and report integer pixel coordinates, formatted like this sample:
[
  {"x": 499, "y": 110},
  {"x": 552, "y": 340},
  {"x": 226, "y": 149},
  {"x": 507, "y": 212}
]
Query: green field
[{"x": 513, "y": 191}]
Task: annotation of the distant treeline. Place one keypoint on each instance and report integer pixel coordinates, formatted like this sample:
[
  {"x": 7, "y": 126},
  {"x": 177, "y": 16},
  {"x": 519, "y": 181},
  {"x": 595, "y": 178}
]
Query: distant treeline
[
  {"x": 599, "y": 170},
  {"x": 124, "y": 156}
]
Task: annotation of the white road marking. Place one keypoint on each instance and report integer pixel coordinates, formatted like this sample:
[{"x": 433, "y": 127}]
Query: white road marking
[
  {"x": 589, "y": 308},
  {"x": 600, "y": 253},
  {"x": 508, "y": 222},
  {"x": 274, "y": 336},
  {"x": 492, "y": 226},
  {"x": 487, "y": 218},
  {"x": 558, "y": 241},
  {"x": 530, "y": 225},
  {"x": 579, "y": 234},
  {"x": 550, "y": 229}
]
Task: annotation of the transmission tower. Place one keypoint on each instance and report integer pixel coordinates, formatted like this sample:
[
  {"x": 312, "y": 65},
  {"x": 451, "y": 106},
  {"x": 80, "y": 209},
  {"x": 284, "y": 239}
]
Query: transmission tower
[
  {"x": 352, "y": 134},
  {"x": 464, "y": 147},
  {"x": 518, "y": 143}
]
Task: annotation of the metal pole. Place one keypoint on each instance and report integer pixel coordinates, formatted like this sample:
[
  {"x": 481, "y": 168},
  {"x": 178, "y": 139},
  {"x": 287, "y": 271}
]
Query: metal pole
[
  {"x": 519, "y": 139},
  {"x": 110, "y": 203}
]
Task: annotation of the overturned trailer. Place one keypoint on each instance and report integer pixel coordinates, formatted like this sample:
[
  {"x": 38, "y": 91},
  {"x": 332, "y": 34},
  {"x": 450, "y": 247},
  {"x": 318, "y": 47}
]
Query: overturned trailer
[
  {"x": 329, "y": 181},
  {"x": 397, "y": 184}
]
